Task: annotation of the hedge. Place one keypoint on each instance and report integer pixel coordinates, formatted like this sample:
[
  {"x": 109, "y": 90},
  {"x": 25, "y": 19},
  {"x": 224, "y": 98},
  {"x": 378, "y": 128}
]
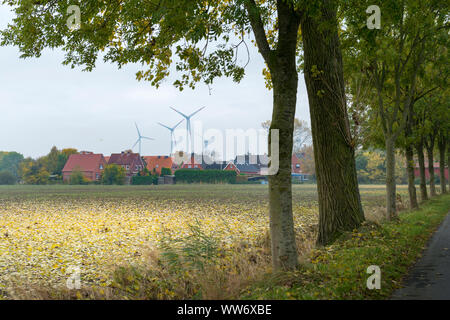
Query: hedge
[
  {"x": 144, "y": 180},
  {"x": 205, "y": 176}
]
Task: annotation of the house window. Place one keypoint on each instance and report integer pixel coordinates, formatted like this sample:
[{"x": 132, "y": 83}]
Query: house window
[
  {"x": 189, "y": 166},
  {"x": 157, "y": 166},
  {"x": 128, "y": 167},
  {"x": 195, "y": 166},
  {"x": 297, "y": 165},
  {"x": 97, "y": 176},
  {"x": 101, "y": 167}
]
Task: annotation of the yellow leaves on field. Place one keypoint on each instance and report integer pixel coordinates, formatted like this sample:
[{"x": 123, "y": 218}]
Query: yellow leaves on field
[{"x": 42, "y": 240}]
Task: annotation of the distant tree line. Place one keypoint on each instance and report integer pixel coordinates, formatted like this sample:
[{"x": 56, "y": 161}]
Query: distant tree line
[{"x": 15, "y": 168}]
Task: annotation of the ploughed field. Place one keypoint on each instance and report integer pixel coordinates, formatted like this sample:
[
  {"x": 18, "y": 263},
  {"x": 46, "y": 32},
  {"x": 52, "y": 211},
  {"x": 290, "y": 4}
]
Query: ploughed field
[{"x": 45, "y": 231}]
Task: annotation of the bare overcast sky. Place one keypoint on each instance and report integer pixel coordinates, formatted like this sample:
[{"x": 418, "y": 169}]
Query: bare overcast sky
[{"x": 44, "y": 103}]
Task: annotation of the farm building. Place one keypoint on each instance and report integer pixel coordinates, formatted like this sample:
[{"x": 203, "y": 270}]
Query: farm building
[
  {"x": 131, "y": 162},
  {"x": 427, "y": 172},
  {"x": 195, "y": 162},
  {"x": 88, "y": 163},
  {"x": 156, "y": 163},
  {"x": 297, "y": 163}
]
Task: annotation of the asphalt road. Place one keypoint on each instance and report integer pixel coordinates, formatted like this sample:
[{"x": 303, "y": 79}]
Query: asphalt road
[{"x": 430, "y": 277}]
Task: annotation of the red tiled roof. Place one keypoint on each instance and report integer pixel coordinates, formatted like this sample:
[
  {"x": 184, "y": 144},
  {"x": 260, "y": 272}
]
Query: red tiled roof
[
  {"x": 125, "y": 158},
  {"x": 160, "y": 161},
  {"x": 84, "y": 162}
]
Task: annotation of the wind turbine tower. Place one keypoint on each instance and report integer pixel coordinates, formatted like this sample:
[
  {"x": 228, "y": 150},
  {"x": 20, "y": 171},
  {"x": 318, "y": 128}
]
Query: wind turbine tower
[
  {"x": 188, "y": 126},
  {"x": 139, "y": 140},
  {"x": 172, "y": 137}
]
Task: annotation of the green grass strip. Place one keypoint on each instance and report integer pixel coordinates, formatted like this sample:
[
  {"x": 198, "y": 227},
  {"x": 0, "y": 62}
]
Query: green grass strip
[{"x": 340, "y": 271}]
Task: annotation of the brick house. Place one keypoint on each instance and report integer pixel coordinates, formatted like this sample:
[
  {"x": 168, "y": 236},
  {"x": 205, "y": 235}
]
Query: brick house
[
  {"x": 297, "y": 162},
  {"x": 230, "y": 166},
  {"x": 196, "y": 162},
  {"x": 131, "y": 162},
  {"x": 250, "y": 164},
  {"x": 156, "y": 163},
  {"x": 427, "y": 172},
  {"x": 89, "y": 164}
]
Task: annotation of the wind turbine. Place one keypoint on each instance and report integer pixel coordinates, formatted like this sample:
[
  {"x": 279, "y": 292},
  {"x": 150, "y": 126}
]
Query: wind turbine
[
  {"x": 188, "y": 125},
  {"x": 172, "y": 137},
  {"x": 140, "y": 137}
]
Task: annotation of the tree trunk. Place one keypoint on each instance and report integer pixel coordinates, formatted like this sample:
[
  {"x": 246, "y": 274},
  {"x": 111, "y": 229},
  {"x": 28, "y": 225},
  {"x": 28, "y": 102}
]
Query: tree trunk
[
  {"x": 409, "y": 152},
  {"x": 391, "y": 209},
  {"x": 431, "y": 169},
  {"x": 284, "y": 250},
  {"x": 339, "y": 200},
  {"x": 283, "y": 70},
  {"x": 442, "y": 142},
  {"x": 423, "y": 178},
  {"x": 411, "y": 177}
]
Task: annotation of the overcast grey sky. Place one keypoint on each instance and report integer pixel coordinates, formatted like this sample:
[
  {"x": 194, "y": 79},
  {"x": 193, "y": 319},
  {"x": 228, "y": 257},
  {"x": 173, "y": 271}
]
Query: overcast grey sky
[{"x": 44, "y": 103}]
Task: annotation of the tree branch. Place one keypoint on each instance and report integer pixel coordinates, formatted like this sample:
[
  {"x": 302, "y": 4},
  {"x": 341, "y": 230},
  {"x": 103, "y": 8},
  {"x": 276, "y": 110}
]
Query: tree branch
[{"x": 258, "y": 30}]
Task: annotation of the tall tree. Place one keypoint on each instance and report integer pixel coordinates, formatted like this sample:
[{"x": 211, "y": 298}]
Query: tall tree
[
  {"x": 429, "y": 142},
  {"x": 391, "y": 58},
  {"x": 409, "y": 155},
  {"x": 340, "y": 206},
  {"x": 11, "y": 162},
  {"x": 202, "y": 36}
]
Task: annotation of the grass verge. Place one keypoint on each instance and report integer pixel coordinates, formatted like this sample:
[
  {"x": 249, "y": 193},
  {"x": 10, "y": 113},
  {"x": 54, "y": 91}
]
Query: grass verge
[{"x": 340, "y": 271}]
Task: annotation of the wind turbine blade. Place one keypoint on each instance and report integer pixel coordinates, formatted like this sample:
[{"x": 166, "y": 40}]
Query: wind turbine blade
[
  {"x": 179, "y": 112},
  {"x": 197, "y": 111},
  {"x": 139, "y": 133},
  {"x": 174, "y": 127},
  {"x": 163, "y": 125},
  {"x": 134, "y": 145},
  {"x": 143, "y": 137}
]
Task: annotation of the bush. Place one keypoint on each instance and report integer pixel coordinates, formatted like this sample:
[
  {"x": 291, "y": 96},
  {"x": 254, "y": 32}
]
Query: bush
[
  {"x": 144, "y": 180},
  {"x": 177, "y": 270},
  {"x": 7, "y": 177},
  {"x": 193, "y": 251},
  {"x": 77, "y": 177},
  {"x": 166, "y": 172},
  {"x": 205, "y": 176},
  {"x": 113, "y": 174}
]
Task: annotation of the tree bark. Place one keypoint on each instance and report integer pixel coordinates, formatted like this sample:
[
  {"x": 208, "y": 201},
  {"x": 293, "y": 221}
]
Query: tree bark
[
  {"x": 409, "y": 152},
  {"x": 423, "y": 178},
  {"x": 431, "y": 169},
  {"x": 442, "y": 143},
  {"x": 411, "y": 177},
  {"x": 283, "y": 70},
  {"x": 391, "y": 208},
  {"x": 334, "y": 156},
  {"x": 284, "y": 250}
]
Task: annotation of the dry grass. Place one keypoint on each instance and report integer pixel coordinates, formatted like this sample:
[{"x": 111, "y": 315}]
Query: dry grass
[{"x": 236, "y": 212}]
